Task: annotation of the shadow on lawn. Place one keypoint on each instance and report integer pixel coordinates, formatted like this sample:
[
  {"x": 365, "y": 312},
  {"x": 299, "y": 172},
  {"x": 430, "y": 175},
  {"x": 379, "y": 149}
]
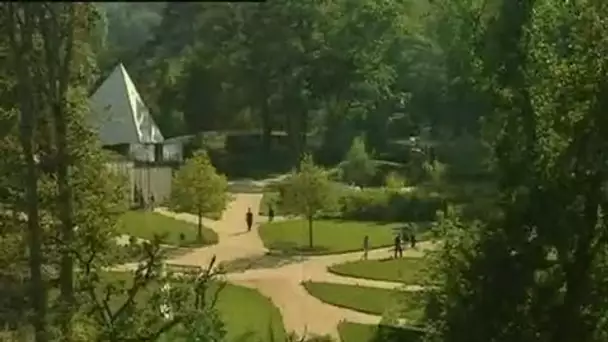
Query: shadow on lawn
[
  {"x": 263, "y": 261},
  {"x": 290, "y": 248}
]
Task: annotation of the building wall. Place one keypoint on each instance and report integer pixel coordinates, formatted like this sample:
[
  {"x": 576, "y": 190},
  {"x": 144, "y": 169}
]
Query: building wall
[
  {"x": 153, "y": 180},
  {"x": 125, "y": 168},
  {"x": 150, "y": 179}
]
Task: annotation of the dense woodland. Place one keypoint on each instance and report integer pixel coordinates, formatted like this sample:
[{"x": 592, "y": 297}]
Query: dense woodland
[
  {"x": 322, "y": 72},
  {"x": 509, "y": 95}
]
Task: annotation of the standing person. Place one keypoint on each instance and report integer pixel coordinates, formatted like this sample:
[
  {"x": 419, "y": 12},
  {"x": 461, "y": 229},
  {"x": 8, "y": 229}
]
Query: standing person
[
  {"x": 413, "y": 240},
  {"x": 249, "y": 219},
  {"x": 270, "y": 213},
  {"x": 365, "y": 246},
  {"x": 152, "y": 202},
  {"x": 398, "y": 248}
]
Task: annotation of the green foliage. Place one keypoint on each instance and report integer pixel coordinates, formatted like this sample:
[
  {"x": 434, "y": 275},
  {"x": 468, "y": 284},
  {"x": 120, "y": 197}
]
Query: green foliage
[
  {"x": 466, "y": 157},
  {"x": 379, "y": 204},
  {"x": 65, "y": 231},
  {"x": 198, "y": 189},
  {"x": 435, "y": 172},
  {"x": 333, "y": 236},
  {"x": 357, "y": 167},
  {"x": 394, "y": 181},
  {"x": 308, "y": 191},
  {"x": 147, "y": 225},
  {"x": 542, "y": 69}
]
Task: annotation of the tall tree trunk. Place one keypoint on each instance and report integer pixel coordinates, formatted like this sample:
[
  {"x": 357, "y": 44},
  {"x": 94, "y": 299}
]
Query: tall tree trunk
[
  {"x": 310, "y": 232},
  {"x": 67, "y": 223},
  {"x": 21, "y": 34},
  {"x": 58, "y": 42},
  {"x": 38, "y": 289}
]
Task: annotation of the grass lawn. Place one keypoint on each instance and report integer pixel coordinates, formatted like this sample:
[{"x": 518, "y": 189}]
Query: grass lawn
[
  {"x": 368, "y": 300},
  {"x": 247, "y": 315},
  {"x": 329, "y": 236},
  {"x": 405, "y": 270},
  {"x": 356, "y": 332},
  {"x": 145, "y": 225}
]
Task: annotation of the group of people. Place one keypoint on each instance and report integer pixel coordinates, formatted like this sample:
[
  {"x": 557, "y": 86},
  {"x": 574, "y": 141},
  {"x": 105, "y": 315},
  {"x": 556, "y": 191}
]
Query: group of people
[
  {"x": 398, "y": 243},
  {"x": 249, "y": 217},
  {"x": 397, "y": 247}
]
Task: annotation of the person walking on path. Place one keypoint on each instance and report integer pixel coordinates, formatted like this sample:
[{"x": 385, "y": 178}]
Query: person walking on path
[
  {"x": 398, "y": 247},
  {"x": 249, "y": 219},
  {"x": 413, "y": 240},
  {"x": 270, "y": 213},
  {"x": 365, "y": 246}
]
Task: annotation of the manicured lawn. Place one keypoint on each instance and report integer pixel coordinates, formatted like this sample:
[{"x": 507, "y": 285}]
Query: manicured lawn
[
  {"x": 329, "y": 236},
  {"x": 368, "y": 300},
  {"x": 146, "y": 225},
  {"x": 247, "y": 315},
  {"x": 405, "y": 270},
  {"x": 356, "y": 332}
]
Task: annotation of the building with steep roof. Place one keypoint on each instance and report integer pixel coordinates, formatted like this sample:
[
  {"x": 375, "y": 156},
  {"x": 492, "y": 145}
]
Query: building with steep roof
[
  {"x": 124, "y": 124},
  {"x": 123, "y": 120}
]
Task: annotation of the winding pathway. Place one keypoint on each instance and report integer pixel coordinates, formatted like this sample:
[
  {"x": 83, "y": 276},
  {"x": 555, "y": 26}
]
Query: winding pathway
[{"x": 301, "y": 312}]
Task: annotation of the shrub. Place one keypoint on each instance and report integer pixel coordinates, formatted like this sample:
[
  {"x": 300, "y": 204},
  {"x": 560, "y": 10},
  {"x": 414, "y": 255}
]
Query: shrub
[
  {"x": 381, "y": 204},
  {"x": 394, "y": 181},
  {"x": 366, "y": 204},
  {"x": 358, "y": 167}
]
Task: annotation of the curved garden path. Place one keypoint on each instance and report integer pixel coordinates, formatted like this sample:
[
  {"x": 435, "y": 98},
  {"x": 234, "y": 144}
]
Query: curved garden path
[{"x": 301, "y": 312}]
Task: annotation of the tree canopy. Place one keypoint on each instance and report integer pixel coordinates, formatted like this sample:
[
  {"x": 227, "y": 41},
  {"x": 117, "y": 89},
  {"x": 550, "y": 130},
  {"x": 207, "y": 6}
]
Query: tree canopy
[{"x": 198, "y": 189}]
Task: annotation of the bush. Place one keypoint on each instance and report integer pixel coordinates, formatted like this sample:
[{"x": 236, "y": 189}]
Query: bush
[
  {"x": 358, "y": 167},
  {"x": 380, "y": 204},
  {"x": 394, "y": 181}
]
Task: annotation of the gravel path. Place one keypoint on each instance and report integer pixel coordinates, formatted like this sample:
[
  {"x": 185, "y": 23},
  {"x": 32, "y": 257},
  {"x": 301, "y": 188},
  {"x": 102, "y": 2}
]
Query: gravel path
[{"x": 301, "y": 312}]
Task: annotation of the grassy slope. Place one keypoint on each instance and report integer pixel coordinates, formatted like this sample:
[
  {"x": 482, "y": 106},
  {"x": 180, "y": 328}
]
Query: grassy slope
[
  {"x": 145, "y": 225},
  {"x": 368, "y": 300},
  {"x": 247, "y": 314},
  {"x": 329, "y": 236},
  {"x": 405, "y": 270}
]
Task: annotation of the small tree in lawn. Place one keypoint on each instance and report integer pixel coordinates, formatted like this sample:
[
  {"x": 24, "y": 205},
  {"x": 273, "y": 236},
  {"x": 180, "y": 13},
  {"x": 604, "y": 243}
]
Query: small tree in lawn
[
  {"x": 358, "y": 166},
  {"x": 198, "y": 189},
  {"x": 308, "y": 192}
]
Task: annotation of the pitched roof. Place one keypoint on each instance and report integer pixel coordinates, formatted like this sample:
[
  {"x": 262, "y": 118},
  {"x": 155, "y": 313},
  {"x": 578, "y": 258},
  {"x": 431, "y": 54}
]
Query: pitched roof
[{"x": 119, "y": 114}]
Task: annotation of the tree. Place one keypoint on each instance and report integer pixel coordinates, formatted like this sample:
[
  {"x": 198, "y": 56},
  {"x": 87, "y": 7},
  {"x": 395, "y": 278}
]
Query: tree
[
  {"x": 21, "y": 26},
  {"x": 71, "y": 200},
  {"x": 308, "y": 192},
  {"x": 543, "y": 67},
  {"x": 198, "y": 189},
  {"x": 357, "y": 166}
]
